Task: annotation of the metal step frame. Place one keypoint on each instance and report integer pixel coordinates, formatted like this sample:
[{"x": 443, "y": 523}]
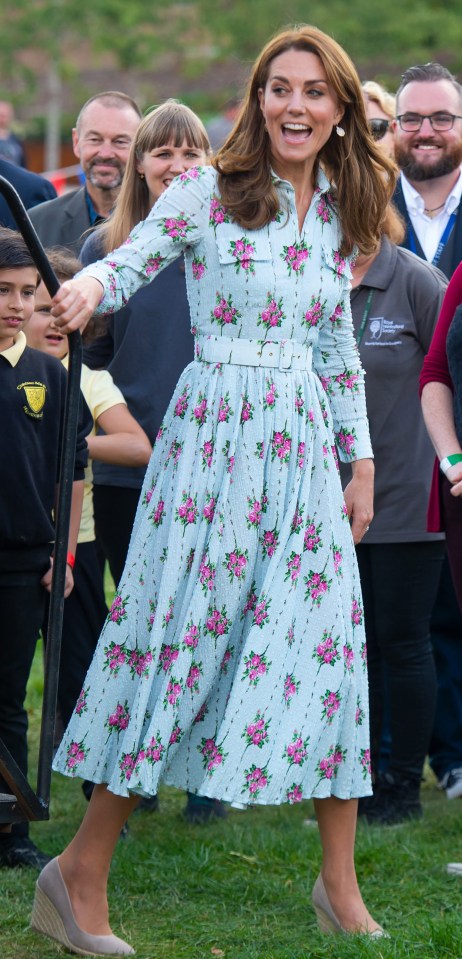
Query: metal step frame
[{"x": 23, "y": 803}]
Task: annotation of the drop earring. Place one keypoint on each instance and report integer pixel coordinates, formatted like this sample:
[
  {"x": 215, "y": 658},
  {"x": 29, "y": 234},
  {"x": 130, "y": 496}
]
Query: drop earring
[
  {"x": 141, "y": 175},
  {"x": 340, "y": 131}
]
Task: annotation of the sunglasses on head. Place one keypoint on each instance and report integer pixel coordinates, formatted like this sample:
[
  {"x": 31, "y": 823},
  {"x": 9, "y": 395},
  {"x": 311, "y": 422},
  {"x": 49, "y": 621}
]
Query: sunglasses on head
[{"x": 378, "y": 127}]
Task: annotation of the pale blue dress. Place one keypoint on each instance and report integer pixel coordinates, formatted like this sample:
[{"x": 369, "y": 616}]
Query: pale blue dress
[{"x": 233, "y": 661}]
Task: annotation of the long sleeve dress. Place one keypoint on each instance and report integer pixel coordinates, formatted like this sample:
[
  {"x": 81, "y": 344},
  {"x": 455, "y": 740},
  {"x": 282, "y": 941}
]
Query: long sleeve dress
[{"x": 233, "y": 660}]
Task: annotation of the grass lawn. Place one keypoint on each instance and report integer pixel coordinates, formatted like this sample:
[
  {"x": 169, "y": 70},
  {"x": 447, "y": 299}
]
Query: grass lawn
[{"x": 240, "y": 888}]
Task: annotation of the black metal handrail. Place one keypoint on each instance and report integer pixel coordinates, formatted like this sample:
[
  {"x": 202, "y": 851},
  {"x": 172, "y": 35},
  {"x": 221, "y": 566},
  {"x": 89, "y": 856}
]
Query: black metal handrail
[{"x": 36, "y": 805}]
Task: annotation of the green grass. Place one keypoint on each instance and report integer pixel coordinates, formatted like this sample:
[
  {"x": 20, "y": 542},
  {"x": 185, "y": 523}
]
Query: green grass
[{"x": 240, "y": 888}]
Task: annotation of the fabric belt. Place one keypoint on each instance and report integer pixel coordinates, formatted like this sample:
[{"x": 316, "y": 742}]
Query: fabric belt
[{"x": 285, "y": 355}]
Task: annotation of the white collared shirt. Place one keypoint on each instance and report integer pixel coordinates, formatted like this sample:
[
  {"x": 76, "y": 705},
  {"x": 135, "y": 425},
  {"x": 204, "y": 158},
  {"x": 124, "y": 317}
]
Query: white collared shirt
[{"x": 429, "y": 230}]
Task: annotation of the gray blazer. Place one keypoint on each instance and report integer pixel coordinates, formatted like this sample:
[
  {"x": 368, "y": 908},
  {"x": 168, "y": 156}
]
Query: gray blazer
[{"x": 64, "y": 221}]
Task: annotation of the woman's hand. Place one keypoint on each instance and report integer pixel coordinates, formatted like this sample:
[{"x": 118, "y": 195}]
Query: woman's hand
[
  {"x": 75, "y": 302},
  {"x": 454, "y": 475},
  {"x": 359, "y": 498}
]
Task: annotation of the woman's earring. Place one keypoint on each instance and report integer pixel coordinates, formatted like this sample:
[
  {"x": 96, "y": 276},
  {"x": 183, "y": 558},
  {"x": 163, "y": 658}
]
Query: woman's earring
[
  {"x": 141, "y": 176},
  {"x": 340, "y": 131}
]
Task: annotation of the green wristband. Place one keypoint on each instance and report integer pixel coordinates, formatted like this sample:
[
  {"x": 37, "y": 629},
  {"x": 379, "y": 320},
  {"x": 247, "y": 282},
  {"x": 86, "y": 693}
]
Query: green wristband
[{"x": 449, "y": 461}]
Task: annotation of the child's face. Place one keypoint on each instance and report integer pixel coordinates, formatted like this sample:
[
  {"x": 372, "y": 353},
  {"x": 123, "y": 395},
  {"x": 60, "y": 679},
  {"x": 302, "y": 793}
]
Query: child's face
[
  {"x": 41, "y": 332},
  {"x": 17, "y": 298}
]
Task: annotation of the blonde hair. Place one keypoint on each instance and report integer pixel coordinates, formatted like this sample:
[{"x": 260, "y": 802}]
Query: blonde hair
[
  {"x": 362, "y": 177},
  {"x": 171, "y": 122},
  {"x": 375, "y": 93}
]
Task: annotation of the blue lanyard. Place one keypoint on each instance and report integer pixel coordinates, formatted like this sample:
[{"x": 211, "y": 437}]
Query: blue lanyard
[{"x": 441, "y": 245}]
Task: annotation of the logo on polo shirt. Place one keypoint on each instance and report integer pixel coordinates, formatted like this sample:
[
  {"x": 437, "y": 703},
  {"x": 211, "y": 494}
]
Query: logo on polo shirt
[
  {"x": 35, "y": 394},
  {"x": 383, "y": 332}
]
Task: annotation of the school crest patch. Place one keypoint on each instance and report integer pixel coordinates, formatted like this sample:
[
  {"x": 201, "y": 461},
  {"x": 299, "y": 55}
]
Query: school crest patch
[{"x": 35, "y": 394}]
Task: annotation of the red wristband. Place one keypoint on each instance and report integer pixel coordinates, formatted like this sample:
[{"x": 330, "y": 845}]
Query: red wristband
[{"x": 70, "y": 560}]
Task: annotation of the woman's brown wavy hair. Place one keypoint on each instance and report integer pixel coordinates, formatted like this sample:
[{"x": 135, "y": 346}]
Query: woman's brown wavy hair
[{"x": 363, "y": 179}]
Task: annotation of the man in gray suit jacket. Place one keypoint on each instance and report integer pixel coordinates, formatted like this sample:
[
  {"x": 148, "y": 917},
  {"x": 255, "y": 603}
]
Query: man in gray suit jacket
[{"x": 101, "y": 141}]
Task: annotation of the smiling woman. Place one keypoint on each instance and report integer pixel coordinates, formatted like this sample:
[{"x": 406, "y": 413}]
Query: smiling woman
[{"x": 233, "y": 660}]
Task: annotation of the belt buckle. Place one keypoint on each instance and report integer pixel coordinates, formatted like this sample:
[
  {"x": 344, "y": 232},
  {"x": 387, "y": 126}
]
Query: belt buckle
[{"x": 286, "y": 351}]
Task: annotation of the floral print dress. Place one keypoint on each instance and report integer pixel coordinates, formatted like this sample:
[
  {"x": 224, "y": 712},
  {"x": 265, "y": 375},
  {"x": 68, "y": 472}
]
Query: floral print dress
[{"x": 233, "y": 660}]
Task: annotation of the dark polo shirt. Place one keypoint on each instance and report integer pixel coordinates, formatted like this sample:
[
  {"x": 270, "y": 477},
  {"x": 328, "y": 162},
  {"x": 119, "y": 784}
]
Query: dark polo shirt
[{"x": 408, "y": 293}]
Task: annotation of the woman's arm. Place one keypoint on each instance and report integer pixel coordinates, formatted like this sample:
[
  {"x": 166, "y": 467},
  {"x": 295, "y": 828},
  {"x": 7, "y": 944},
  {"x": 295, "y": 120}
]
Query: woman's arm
[
  {"x": 438, "y": 413},
  {"x": 124, "y": 442},
  {"x": 435, "y": 367},
  {"x": 359, "y": 498}
]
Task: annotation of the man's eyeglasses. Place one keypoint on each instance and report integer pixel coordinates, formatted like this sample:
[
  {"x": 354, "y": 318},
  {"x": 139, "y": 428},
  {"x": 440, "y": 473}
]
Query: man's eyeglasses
[
  {"x": 412, "y": 122},
  {"x": 378, "y": 127}
]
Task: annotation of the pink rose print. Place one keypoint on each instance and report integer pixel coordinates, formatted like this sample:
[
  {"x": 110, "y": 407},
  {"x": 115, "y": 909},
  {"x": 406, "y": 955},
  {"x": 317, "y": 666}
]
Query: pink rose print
[
  {"x": 256, "y": 732},
  {"x": 208, "y": 511},
  {"x": 312, "y": 536},
  {"x": 81, "y": 704},
  {"x": 115, "y": 657},
  {"x": 224, "y": 410},
  {"x": 193, "y": 677},
  {"x": 294, "y": 794},
  {"x": 260, "y": 615},
  {"x": 297, "y": 750},
  {"x": 148, "y": 496},
  {"x": 260, "y": 449},
  {"x": 173, "y": 693},
  {"x": 327, "y": 652},
  {"x": 176, "y": 227},
  {"x": 269, "y": 541},
  {"x": 118, "y": 720},
  {"x": 363, "y": 655},
  {"x": 356, "y": 613},
  {"x": 191, "y": 636},
  {"x": 346, "y": 441},
  {"x": 139, "y": 663},
  {"x": 340, "y": 263},
  {"x": 299, "y": 401},
  {"x": 344, "y": 512},
  {"x": 291, "y": 688},
  {"x": 212, "y": 754},
  {"x": 256, "y": 510},
  {"x": 182, "y": 403},
  {"x": 272, "y": 316},
  {"x": 242, "y": 251},
  {"x": 217, "y": 623},
  {"x": 247, "y": 410},
  {"x": 229, "y": 653},
  {"x": 224, "y": 313},
  {"x": 271, "y": 395},
  {"x": 118, "y": 612},
  {"x": 190, "y": 560},
  {"x": 323, "y": 211},
  {"x": 256, "y": 666},
  {"x": 194, "y": 173},
  {"x": 152, "y": 264},
  {"x": 301, "y": 455},
  {"x": 251, "y": 600},
  {"x": 174, "y": 453},
  {"x": 200, "y": 411},
  {"x": 295, "y": 257},
  {"x": 127, "y": 766},
  {"x": 203, "y": 712},
  {"x": 206, "y": 452},
  {"x": 315, "y": 312},
  {"x": 76, "y": 754},
  {"x": 317, "y": 585},
  {"x": 326, "y": 383},
  {"x": 348, "y": 657},
  {"x": 198, "y": 267},
  {"x": 337, "y": 556},
  {"x": 218, "y": 213},
  {"x": 331, "y": 705},
  {"x": 347, "y": 382},
  {"x": 155, "y": 750},
  {"x": 231, "y": 459},
  {"x": 207, "y": 573},
  {"x": 186, "y": 513},
  {"x": 169, "y": 614},
  {"x": 281, "y": 444},
  {"x": 256, "y": 780},
  {"x": 328, "y": 767},
  {"x": 365, "y": 762},
  {"x": 175, "y": 735},
  {"x": 297, "y": 521},
  {"x": 293, "y": 567},
  {"x": 158, "y": 514},
  {"x": 337, "y": 316},
  {"x": 167, "y": 657},
  {"x": 236, "y": 563}
]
